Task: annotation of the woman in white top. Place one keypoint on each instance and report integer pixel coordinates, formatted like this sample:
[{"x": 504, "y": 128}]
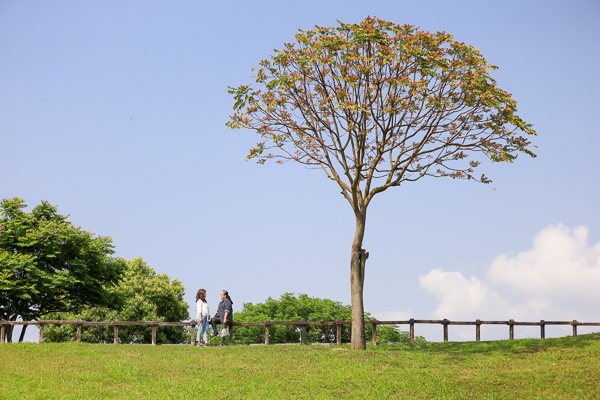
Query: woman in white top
[{"x": 203, "y": 316}]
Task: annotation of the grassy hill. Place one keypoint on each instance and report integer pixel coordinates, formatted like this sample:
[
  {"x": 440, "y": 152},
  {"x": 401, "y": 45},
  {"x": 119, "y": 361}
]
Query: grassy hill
[{"x": 564, "y": 368}]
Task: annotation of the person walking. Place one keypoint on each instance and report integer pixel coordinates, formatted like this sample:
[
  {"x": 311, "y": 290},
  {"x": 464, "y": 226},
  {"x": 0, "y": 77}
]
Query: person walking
[
  {"x": 224, "y": 315},
  {"x": 203, "y": 316}
]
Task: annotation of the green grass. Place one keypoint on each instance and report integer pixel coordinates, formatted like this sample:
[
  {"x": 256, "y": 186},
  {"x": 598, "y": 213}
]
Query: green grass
[{"x": 565, "y": 368}]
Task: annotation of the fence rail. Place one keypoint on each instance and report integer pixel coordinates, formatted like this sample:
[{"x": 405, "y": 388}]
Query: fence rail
[{"x": 302, "y": 324}]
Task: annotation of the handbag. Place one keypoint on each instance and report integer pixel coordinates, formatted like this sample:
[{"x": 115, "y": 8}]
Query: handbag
[{"x": 224, "y": 332}]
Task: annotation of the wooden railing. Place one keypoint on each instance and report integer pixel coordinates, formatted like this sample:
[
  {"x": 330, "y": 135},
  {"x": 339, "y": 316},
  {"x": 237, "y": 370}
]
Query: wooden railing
[{"x": 302, "y": 324}]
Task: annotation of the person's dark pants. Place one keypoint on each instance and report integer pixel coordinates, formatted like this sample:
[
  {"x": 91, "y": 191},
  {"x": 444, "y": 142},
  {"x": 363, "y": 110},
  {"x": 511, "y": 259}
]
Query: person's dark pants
[{"x": 214, "y": 321}]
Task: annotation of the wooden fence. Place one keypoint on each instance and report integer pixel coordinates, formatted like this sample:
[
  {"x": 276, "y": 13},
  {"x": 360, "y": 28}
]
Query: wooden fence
[{"x": 302, "y": 324}]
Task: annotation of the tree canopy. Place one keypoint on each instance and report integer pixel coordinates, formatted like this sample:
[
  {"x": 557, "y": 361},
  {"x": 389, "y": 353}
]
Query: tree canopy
[
  {"x": 143, "y": 295},
  {"x": 47, "y": 264},
  {"x": 376, "y": 105}
]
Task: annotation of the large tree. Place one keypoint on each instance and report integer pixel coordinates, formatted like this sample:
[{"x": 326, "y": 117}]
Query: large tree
[
  {"x": 375, "y": 105},
  {"x": 143, "y": 295},
  {"x": 47, "y": 264},
  {"x": 291, "y": 308}
]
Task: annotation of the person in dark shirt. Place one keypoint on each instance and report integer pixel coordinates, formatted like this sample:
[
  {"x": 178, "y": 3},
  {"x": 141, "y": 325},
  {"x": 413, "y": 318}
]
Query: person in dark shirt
[{"x": 224, "y": 314}]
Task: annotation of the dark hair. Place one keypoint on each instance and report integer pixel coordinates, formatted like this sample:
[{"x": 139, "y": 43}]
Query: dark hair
[
  {"x": 201, "y": 295},
  {"x": 226, "y": 293}
]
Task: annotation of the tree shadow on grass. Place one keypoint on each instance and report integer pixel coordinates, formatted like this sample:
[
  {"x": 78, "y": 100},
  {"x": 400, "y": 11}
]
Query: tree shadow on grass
[{"x": 518, "y": 346}]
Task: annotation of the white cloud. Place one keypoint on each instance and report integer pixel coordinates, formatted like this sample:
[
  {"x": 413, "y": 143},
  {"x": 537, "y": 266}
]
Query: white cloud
[
  {"x": 557, "y": 279},
  {"x": 561, "y": 266},
  {"x": 461, "y": 298}
]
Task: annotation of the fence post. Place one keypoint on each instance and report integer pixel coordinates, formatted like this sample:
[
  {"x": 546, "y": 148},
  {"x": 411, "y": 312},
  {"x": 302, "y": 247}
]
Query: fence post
[
  {"x": 267, "y": 332},
  {"x": 2, "y": 330},
  {"x": 511, "y": 329},
  {"x": 339, "y": 332},
  {"x": 542, "y": 329},
  {"x": 116, "y": 338},
  {"x": 412, "y": 330},
  {"x": 303, "y": 334},
  {"x": 374, "y": 333},
  {"x": 41, "y": 337},
  {"x": 154, "y": 334},
  {"x": 78, "y": 332},
  {"x": 231, "y": 333},
  {"x": 445, "y": 323},
  {"x": 478, "y": 330},
  {"x": 193, "y": 339},
  {"x": 574, "y": 323}
]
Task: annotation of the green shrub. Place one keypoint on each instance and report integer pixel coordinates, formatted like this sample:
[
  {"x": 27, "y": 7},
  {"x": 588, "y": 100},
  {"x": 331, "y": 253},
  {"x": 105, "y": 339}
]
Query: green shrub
[{"x": 291, "y": 308}]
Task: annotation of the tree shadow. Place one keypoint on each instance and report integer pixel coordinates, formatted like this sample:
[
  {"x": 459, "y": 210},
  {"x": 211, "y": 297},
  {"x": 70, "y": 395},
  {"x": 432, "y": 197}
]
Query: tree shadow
[{"x": 518, "y": 346}]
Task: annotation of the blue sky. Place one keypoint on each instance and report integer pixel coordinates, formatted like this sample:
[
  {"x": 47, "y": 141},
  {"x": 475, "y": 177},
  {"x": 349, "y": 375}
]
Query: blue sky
[{"x": 115, "y": 111}]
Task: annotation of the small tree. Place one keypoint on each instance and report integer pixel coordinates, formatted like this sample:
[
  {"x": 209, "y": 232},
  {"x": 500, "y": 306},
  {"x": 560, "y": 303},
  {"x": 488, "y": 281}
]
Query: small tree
[
  {"x": 375, "y": 105},
  {"x": 49, "y": 265}
]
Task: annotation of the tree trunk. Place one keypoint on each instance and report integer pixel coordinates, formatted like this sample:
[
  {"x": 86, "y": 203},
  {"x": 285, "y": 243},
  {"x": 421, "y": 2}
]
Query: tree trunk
[
  {"x": 9, "y": 331},
  {"x": 22, "y": 336},
  {"x": 357, "y": 279}
]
